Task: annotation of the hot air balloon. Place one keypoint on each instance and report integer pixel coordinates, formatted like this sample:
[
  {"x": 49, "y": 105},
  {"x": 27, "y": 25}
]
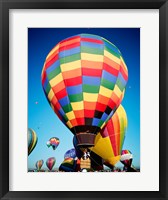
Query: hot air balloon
[
  {"x": 54, "y": 142},
  {"x": 109, "y": 142},
  {"x": 32, "y": 140},
  {"x": 70, "y": 154},
  {"x": 126, "y": 158},
  {"x": 84, "y": 79},
  {"x": 50, "y": 163},
  {"x": 68, "y": 165},
  {"x": 39, "y": 164}
]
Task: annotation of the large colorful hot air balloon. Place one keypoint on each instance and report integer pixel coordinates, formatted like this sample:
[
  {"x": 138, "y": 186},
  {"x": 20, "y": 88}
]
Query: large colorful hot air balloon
[
  {"x": 54, "y": 142},
  {"x": 126, "y": 158},
  {"x": 109, "y": 142},
  {"x": 50, "y": 163},
  {"x": 32, "y": 140},
  {"x": 70, "y": 154},
  {"x": 68, "y": 165},
  {"x": 39, "y": 164},
  {"x": 84, "y": 79}
]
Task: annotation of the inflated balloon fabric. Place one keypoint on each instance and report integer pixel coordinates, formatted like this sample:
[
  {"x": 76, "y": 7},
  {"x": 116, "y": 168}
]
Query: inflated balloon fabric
[{"x": 84, "y": 79}]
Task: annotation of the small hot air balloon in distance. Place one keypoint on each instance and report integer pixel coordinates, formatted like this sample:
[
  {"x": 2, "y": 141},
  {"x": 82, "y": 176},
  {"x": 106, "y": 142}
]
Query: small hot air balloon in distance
[
  {"x": 70, "y": 154},
  {"x": 32, "y": 140},
  {"x": 39, "y": 164},
  {"x": 53, "y": 142},
  {"x": 109, "y": 142},
  {"x": 50, "y": 163},
  {"x": 126, "y": 158},
  {"x": 84, "y": 79}
]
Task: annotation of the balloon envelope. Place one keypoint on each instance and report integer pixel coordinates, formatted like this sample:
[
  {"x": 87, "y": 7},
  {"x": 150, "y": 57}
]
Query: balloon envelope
[
  {"x": 50, "y": 162},
  {"x": 84, "y": 79},
  {"x": 39, "y": 164},
  {"x": 32, "y": 140},
  {"x": 126, "y": 158},
  {"x": 68, "y": 165},
  {"x": 70, "y": 154},
  {"x": 54, "y": 142},
  {"x": 109, "y": 142}
]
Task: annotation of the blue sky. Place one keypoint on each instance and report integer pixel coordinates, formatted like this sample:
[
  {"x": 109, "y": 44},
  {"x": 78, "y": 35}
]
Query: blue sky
[{"x": 42, "y": 118}]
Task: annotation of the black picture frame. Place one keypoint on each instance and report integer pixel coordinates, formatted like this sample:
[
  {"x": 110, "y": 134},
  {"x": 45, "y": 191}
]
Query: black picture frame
[{"x": 5, "y": 6}]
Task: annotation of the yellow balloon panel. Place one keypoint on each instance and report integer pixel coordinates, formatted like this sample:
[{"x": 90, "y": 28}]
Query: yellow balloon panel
[
  {"x": 99, "y": 149},
  {"x": 113, "y": 160},
  {"x": 109, "y": 142}
]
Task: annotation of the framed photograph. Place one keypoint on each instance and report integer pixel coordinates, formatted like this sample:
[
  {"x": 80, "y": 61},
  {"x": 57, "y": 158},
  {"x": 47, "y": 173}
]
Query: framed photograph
[{"x": 83, "y": 99}]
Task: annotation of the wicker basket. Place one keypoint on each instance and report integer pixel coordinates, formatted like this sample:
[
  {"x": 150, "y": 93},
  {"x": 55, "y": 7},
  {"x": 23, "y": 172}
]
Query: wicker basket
[{"x": 85, "y": 164}]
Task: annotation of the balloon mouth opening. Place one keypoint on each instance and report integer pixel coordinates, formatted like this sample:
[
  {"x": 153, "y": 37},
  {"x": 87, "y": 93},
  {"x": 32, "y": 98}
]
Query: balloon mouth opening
[
  {"x": 127, "y": 164},
  {"x": 85, "y": 139}
]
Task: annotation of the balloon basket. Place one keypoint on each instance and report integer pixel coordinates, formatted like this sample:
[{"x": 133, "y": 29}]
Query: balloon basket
[{"x": 85, "y": 164}]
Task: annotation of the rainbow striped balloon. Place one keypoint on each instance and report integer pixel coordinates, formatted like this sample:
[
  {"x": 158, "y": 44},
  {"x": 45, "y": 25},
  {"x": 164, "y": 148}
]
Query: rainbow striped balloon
[
  {"x": 32, "y": 140},
  {"x": 84, "y": 79},
  {"x": 109, "y": 142},
  {"x": 68, "y": 165},
  {"x": 39, "y": 164}
]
